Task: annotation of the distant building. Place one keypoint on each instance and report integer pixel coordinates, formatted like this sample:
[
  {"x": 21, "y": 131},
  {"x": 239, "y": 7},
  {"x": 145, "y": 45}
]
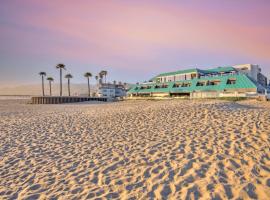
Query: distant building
[
  {"x": 111, "y": 90},
  {"x": 254, "y": 72},
  {"x": 231, "y": 81},
  {"x": 268, "y": 88}
]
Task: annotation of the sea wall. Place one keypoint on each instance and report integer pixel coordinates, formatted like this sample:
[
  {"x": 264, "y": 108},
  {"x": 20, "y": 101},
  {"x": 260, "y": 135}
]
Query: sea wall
[{"x": 59, "y": 100}]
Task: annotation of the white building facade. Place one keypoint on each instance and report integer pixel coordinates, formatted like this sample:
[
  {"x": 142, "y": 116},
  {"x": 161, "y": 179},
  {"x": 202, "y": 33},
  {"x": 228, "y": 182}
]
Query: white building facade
[
  {"x": 111, "y": 90},
  {"x": 254, "y": 72}
]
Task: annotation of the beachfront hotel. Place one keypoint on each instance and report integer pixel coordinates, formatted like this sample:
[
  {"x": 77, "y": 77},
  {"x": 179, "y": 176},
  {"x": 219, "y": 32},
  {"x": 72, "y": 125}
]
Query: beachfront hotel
[{"x": 231, "y": 81}]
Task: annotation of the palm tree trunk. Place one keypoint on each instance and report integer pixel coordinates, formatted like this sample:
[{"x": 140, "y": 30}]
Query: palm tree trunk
[
  {"x": 88, "y": 87},
  {"x": 68, "y": 87},
  {"x": 43, "y": 93},
  {"x": 60, "y": 81},
  {"x": 50, "y": 88}
]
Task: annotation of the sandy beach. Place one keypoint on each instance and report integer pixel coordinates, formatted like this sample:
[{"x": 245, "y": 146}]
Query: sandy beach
[{"x": 171, "y": 149}]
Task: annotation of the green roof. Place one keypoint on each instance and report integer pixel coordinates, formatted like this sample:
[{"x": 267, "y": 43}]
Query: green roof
[
  {"x": 218, "y": 70},
  {"x": 242, "y": 82},
  {"x": 195, "y": 70},
  {"x": 178, "y": 72}
]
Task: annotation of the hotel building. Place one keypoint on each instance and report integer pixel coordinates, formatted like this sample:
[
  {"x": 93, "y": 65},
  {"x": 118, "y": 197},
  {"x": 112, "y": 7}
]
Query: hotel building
[{"x": 232, "y": 81}]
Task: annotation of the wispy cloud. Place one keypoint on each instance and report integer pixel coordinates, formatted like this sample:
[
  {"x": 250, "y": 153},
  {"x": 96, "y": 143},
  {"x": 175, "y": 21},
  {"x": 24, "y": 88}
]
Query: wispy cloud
[{"x": 127, "y": 34}]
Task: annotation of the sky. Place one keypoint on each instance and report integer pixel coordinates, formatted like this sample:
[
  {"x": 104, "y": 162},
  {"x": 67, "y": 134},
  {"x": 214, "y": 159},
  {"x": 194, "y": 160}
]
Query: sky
[{"x": 132, "y": 40}]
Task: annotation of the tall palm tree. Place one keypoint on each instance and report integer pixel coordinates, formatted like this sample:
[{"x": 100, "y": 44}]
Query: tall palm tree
[
  {"x": 50, "y": 79},
  {"x": 60, "y": 67},
  {"x": 68, "y": 77},
  {"x": 96, "y": 77},
  {"x": 101, "y": 74},
  {"x": 105, "y": 73},
  {"x": 42, "y": 74},
  {"x": 88, "y": 75}
]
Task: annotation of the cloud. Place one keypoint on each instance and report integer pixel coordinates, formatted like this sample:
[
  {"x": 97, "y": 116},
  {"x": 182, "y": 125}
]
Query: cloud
[{"x": 135, "y": 34}]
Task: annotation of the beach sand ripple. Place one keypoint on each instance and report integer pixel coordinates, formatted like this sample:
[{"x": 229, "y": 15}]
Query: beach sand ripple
[{"x": 172, "y": 149}]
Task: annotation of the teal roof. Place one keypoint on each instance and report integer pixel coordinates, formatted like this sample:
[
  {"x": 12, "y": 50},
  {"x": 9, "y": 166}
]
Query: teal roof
[
  {"x": 195, "y": 70},
  {"x": 218, "y": 70},
  {"x": 242, "y": 82},
  {"x": 178, "y": 72}
]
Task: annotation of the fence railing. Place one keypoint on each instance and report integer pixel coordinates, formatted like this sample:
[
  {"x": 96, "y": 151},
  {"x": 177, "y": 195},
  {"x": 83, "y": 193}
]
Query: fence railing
[{"x": 59, "y": 100}]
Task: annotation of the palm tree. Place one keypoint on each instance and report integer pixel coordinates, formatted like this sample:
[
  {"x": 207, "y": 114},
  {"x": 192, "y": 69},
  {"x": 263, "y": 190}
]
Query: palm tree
[
  {"x": 50, "y": 79},
  {"x": 105, "y": 73},
  {"x": 68, "y": 76},
  {"x": 42, "y": 74},
  {"x": 60, "y": 67},
  {"x": 114, "y": 82},
  {"x": 96, "y": 77},
  {"x": 101, "y": 74},
  {"x": 88, "y": 75}
]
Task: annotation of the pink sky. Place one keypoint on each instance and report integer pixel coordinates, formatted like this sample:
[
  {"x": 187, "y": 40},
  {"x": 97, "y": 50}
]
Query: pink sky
[{"x": 133, "y": 40}]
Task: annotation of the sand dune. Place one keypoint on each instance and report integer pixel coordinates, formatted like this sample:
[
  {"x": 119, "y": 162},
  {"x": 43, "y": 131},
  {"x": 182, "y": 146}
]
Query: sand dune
[{"x": 135, "y": 150}]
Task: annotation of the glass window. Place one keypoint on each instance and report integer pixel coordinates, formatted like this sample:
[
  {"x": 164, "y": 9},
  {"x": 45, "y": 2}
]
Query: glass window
[
  {"x": 200, "y": 83},
  {"x": 231, "y": 81}
]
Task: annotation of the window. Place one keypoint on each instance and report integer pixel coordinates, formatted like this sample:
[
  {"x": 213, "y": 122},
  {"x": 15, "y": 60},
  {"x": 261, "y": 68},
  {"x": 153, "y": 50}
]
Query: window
[
  {"x": 145, "y": 87},
  {"x": 186, "y": 85},
  {"x": 231, "y": 81},
  {"x": 244, "y": 68},
  {"x": 200, "y": 83},
  {"x": 170, "y": 78},
  {"x": 193, "y": 76},
  {"x": 214, "y": 82},
  {"x": 176, "y": 85},
  {"x": 164, "y": 86},
  {"x": 161, "y": 86}
]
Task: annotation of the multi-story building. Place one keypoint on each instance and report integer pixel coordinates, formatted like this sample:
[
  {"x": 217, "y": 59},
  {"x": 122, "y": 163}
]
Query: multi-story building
[
  {"x": 232, "y": 81},
  {"x": 254, "y": 72},
  {"x": 111, "y": 90}
]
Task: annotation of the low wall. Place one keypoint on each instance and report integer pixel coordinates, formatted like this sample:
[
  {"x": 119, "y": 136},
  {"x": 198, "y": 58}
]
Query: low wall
[
  {"x": 59, "y": 100},
  {"x": 201, "y": 95}
]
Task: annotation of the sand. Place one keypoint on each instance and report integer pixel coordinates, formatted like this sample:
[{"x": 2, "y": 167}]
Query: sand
[{"x": 135, "y": 150}]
